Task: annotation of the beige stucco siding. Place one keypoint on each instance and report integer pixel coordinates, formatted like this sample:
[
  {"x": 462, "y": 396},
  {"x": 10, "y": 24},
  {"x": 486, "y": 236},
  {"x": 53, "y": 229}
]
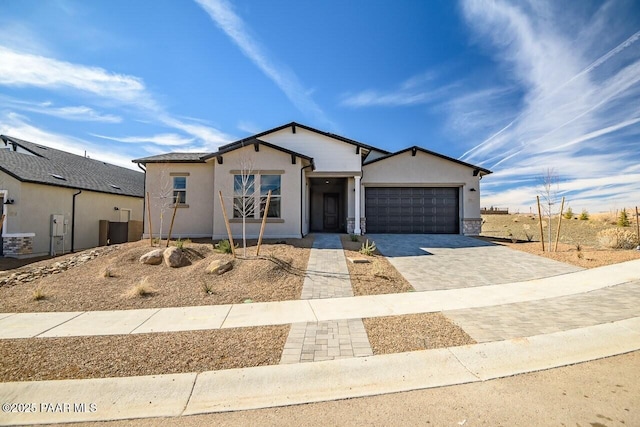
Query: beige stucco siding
[
  {"x": 195, "y": 218},
  {"x": 425, "y": 170},
  {"x": 11, "y": 187},
  {"x": 35, "y": 203},
  {"x": 267, "y": 161},
  {"x": 329, "y": 154}
]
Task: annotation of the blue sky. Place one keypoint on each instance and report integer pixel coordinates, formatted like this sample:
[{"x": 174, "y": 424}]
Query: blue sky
[{"x": 516, "y": 87}]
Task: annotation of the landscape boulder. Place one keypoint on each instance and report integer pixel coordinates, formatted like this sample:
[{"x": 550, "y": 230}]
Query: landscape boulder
[
  {"x": 219, "y": 266},
  {"x": 174, "y": 257},
  {"x": 152, "y": 258}
]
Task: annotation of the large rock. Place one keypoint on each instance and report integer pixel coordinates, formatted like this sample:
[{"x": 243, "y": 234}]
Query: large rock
[
  {"x": 219, "y": 266},
  {"x": 152, "y": 258},
  {"x": 174, "y": 257}
]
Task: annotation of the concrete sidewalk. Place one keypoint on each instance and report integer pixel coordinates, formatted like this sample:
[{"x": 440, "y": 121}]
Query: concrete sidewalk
[
  {"x": 28, "y": 325},
  {"x": 279, "y": 385}
]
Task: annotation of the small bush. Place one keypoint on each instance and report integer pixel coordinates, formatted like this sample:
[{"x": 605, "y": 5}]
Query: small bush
[
  {"x": 108, "y": 272},
  {"x": 223, "y": 246},
  {"x": 623, "y": 219},
  {"x": 207, "y": 288},
  {"x": 529, "y": 236},
  {"x": 368, "y": 248},
  {"x": 616, "y": 238},
  {"x": 568, "y": 214},
  {"x": 143, "y": 289},
  {"x": 180, "y": 243},
  {"x": 155, "y": 241},
  {"x": 39, "y": 295},
  {"x": 354, "y": 237},
  {"x": 584, "y": 216}
]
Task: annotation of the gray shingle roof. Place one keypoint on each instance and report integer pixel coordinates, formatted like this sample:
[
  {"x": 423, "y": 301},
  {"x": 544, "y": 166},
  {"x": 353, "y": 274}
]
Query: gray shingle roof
[
  {"x": 173, "y": 158},
  {"x": 78, "y": 172}
]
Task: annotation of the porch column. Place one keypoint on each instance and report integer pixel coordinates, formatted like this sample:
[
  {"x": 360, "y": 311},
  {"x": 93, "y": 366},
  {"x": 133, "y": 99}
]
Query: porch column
[{"x": 356, "y": 230}]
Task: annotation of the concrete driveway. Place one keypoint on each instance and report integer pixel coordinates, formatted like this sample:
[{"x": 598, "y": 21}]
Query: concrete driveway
[{"x": 448, "y": 261}]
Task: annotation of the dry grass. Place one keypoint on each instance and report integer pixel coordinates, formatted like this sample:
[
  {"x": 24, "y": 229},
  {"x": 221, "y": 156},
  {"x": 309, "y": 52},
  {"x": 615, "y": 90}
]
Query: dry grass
[
  {"x": 38, "y": 359},
  {"x": 376, "y": 277},
  {"x": 396, "y": 334},
  {"x": 142, "y": 289},
  {"x": 277, "y": 276},
  {"x": 574, "y": 233}
]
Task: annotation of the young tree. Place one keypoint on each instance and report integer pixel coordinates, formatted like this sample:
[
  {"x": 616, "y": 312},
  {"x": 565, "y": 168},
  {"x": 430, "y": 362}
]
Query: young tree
[
  {"x": 244, "y": 196},
  {"x": 164, "y": 196},
  {"x": 623, "y": 219},
  {"x": 549, "y": 184}
]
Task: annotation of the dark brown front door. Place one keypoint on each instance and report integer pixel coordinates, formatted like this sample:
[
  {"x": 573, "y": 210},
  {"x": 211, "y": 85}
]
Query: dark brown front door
[{"x": 330, "y": 216}]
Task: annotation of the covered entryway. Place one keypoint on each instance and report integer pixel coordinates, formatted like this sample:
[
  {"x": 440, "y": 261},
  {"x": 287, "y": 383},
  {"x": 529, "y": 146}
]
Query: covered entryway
[
  {"x": 412, "y": 210},
  {"x": 328, "y": 204}
]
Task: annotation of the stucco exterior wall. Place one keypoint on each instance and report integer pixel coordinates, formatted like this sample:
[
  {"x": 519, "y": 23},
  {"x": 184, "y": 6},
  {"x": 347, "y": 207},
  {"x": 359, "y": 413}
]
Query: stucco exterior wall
[
  {"x": 35, "y": 203},
  {"x": 195, "y": 219},
  {"x": 11, "y": 187},
  {"x": 267, "y": 161},
  {"x": 329, "y": 155},
  {"x": 428, "y": 171}
]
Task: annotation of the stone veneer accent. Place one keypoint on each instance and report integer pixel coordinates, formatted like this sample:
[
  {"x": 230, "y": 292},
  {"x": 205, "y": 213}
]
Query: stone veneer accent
[
  {"x": 471, "y": 226},
  {"x": 351, "y": 225},
  {"x": 18, "y": 245}
]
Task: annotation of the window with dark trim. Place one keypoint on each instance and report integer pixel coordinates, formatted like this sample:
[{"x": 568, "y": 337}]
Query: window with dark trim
[
  {"x": 270, "y": 182},
  {"x": 243, "y": 196},
  {"x": 180, "y": 189}
]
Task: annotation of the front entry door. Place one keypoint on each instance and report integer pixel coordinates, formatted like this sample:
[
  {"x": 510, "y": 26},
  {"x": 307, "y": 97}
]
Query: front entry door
[{"x": 330, "y": 213}]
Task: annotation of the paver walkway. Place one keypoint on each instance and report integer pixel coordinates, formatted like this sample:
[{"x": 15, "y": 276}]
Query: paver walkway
[
  {"x": 444, "y": 261},
  {"x": 327, "y": 277},
  {"x": 525, "y": 319}
]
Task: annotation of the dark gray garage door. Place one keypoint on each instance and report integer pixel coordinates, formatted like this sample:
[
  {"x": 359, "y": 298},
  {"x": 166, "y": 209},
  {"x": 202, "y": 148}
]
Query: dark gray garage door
[{"x": 428, "y": 210}]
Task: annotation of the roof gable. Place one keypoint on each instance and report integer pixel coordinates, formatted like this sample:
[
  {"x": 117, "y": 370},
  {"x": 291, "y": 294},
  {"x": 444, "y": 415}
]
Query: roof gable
[
  {"x": 46, "y": 165},
  {"x": 477, "y": 169},
  {"x": 256, "y": 144}
]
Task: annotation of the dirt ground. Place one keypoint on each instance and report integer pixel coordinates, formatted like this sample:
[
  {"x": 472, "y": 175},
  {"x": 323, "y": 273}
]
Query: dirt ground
[
  {"x": 38, "y": 359},
  {"x": 377, "y": 276},
  {"x": 574, "y": 234},
  {"x": 277, "y": 276},
  {"x": 602, "y": 393}
]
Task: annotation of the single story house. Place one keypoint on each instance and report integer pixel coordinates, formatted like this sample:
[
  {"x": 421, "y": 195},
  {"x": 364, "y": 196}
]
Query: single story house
[
  {"x": 53, "y": 200},
  {"x": 320, "y": 182}
]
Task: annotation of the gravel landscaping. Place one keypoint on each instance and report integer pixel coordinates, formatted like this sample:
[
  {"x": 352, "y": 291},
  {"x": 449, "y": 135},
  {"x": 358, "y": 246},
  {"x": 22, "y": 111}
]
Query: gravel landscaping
[
  {"x": 37, "y": 359},
  {"x": 397, "y": 334},
  {"x": 377, "y": 276},
  {"x": 276, "y": 276}
]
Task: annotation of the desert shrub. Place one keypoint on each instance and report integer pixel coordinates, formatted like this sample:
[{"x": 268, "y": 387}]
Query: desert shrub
[
  {"x": 155, "y": 241},
  {"x": 39, "y": 295},
  {"x": 623, "y": 219},
  {"x": 223, "y": 246},
  {"x": 207, "y": 287},
  {"x": 616, "y": 238},
  {"x": 142, "y": 289},
  {"x": 180, "y": 243},
  {"x": 529, "y": 236},
  {"x": 569, "y": 213},
  {"x": 368, "y": 248},
  {"x": 584, "y": 216},
  {"x": 108, "y": 272},
  {"x": 354, "y": 237}
]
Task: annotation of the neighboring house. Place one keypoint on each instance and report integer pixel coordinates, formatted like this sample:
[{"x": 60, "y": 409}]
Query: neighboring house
[
  {"x": 39, "y": 184},
  {"x": 320, "y": 182}
]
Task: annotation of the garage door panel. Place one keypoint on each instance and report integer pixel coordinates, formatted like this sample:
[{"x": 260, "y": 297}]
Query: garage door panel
[{"x": 412, "y": 210}]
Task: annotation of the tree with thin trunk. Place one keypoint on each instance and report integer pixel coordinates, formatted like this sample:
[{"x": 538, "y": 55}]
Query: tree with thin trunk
[
  {"x": 244, "y": 196},
  {"x": 164, "y": 196},
  {"x": 549, "y": 186}
]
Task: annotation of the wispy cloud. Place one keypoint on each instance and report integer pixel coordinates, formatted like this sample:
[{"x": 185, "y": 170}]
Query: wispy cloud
[
  {"x": 222, "y": 13},
  {"x": 75, "y": 113},
  {"x": 418, "y": 89},
  {"x": 578, "y": 111},
  {"x": 21, "y": 69},
  {"x": 167, "y": 139}
]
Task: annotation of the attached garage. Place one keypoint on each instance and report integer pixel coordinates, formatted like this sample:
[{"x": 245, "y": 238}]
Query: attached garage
[{"x": 419, "y": 210}]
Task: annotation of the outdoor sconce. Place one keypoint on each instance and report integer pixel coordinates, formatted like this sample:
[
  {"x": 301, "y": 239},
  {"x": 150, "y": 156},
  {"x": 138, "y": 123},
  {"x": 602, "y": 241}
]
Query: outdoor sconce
[
  {"x": 115, "y": 208},
  {"x": 9, "y": 202},
  {"x": 473, "y": 189}
]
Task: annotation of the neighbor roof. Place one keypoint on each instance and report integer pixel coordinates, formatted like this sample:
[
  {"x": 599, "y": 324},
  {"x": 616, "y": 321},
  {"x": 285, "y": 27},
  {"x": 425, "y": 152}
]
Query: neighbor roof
[
  {"x": 49, "y": 166},
  {"x": 415, "y": 149},
  {"x": 173, "y": 158}
]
